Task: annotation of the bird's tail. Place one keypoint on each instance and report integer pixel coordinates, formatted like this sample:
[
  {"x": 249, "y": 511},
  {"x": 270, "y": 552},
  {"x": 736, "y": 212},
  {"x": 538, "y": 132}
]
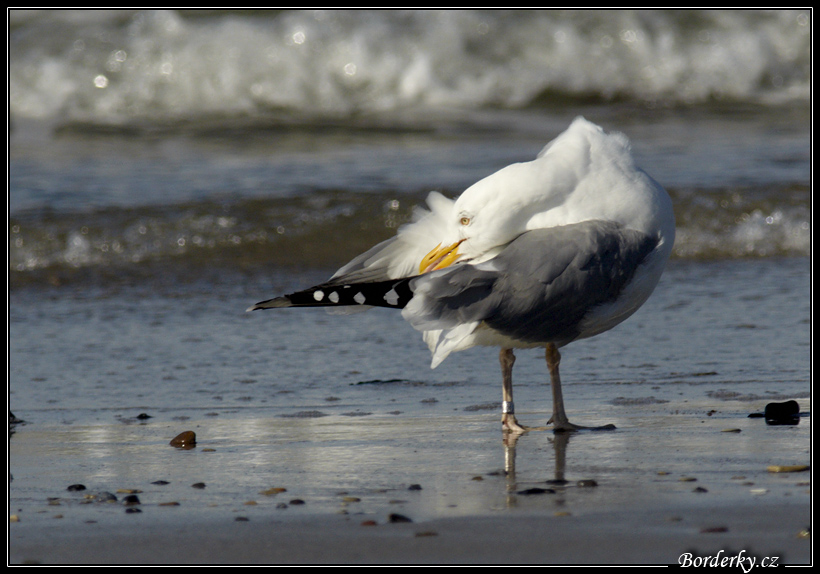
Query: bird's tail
[{"x": 393, "y": 293}]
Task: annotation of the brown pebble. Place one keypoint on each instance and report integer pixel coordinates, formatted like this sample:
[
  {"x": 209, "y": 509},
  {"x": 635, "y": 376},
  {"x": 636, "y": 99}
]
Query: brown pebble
[
  {"x": 272, "y": 491},
  {"x": 184, "y": 440},
  {"x": 369, "y": 523},
  {"x": 351, "y": 499},
  {"x": 128, "y": 490},
  {"x": 14, "y": 518},
  {"x": 250, "y": 503},
  {"x": 787, "y": 467},
  {"x": 730, "y": 430},
  {"x": 208, "y": 450}
]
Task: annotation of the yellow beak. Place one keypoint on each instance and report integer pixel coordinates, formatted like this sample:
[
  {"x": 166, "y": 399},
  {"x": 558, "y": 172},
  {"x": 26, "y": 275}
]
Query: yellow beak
[{"x": 440, "y": 257}]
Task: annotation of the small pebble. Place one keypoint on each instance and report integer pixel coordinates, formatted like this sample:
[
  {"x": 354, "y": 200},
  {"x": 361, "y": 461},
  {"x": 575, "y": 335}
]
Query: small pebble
[
  {"x": 102, "y": 497},
  {"x": 687, "y": 479},
  {"x": 132, "y": 510},
  {"x": 14, "y": 518},
  {"x": 131, "y": 500},
  {"x": 272, "y": 491},
  {"x": 536, "y": 490},
  {"x": 185, "y": 440},
  {"x": 787, "y": 467},
  {"x": 805, "y": 533},
  {"x": 296, "y": 502},
  {"x": 587, "y": 483},
  {"x": 143, "y": 416},
  {"x": 714, "y": 529},
  {"x": 562, "y": 513},
  {"x": 161, "y": 482},
  {"x": 198, "y": 485},
  {"x": 700, "y": 489},
  {"x": 128, "y": 490},
  {"x": 369, "y": 523},
  {"x": 241, "y": 519},
  {"x": 169, "y": 504},
  {"x": 395, "y": 518},
  {"x": 425, "y": 533},
  {"x": 75, "y": 487},
  {"x": 731, "y": 430},
  {"x": 414, "y": 487},
  {"x": 557, "y": 481},
  {"x": 787, "y": 413}
]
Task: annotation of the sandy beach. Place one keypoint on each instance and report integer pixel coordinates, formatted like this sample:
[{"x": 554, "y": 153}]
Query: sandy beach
[{"x": 420, "y": 491}]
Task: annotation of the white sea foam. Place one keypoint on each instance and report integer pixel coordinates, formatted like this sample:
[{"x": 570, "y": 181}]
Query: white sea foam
[{"x": 122, "y": 66}]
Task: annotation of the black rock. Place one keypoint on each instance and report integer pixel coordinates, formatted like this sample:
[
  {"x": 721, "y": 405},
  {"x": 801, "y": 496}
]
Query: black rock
[{"x": 787, "y": 413}]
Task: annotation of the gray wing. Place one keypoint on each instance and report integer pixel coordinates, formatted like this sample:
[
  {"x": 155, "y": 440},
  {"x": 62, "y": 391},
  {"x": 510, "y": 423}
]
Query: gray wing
[{"x": 539, "y": 288}]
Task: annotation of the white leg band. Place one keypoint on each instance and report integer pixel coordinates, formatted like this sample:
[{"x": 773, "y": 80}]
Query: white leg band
[{"x": 507, "y": 407}]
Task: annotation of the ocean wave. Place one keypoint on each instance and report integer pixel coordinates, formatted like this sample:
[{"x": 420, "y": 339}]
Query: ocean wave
[
  {"x": 117, "y": 67},
  {"x": 326, "y": 229}
]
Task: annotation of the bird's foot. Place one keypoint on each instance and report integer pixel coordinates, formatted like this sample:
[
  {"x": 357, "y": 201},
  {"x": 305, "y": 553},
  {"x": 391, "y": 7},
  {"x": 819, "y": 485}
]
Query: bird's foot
[
  {"x": 566, "y": 426},
  {"x": 511, "y": 425}
]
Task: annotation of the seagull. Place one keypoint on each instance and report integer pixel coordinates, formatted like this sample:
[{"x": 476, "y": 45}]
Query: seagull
[{"x": 537, "y": 255}]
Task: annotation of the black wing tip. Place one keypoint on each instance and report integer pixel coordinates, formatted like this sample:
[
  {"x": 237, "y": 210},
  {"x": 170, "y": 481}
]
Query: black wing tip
[
  {"x": 393, "y": 293},
  {"x": 276, "y": 303}
]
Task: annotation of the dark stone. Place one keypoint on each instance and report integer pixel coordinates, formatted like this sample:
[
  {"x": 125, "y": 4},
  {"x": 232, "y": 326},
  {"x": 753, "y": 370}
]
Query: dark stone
[
  {"x": 536, "y": 490},
  {"x": 787, "y": 413}
]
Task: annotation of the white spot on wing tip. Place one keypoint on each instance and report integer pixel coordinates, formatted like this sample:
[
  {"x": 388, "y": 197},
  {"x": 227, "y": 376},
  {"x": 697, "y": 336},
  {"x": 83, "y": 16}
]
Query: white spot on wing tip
[
  {"x": 318, "y": 295},
  {"x": 391, "y": 297},
  {"x": 359, "y": 298},
  {"x": 334, "y": 297}
]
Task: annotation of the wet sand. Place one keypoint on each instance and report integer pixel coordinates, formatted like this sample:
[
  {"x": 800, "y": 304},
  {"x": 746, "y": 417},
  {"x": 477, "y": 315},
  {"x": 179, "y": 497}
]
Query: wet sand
[
  {"x": 673, "y": 479},
  {"x": 344, "y": 414}
]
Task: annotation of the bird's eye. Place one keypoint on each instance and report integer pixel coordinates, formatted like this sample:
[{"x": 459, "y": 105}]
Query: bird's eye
[{"x": 465, "y": 221}]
